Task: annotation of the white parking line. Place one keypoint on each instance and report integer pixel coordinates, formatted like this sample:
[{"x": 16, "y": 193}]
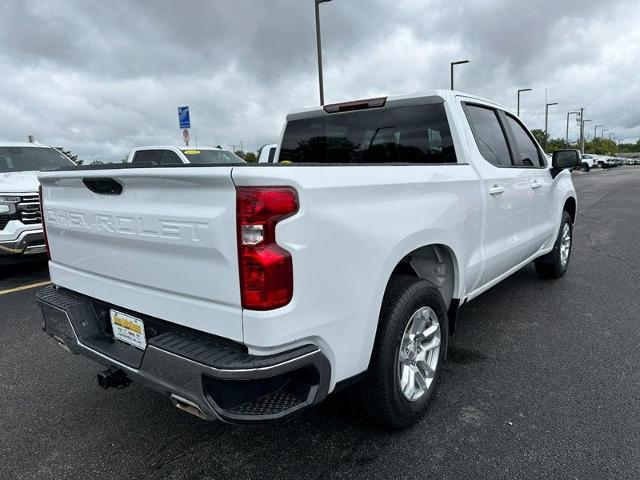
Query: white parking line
[{"x": 24, "y": 287}]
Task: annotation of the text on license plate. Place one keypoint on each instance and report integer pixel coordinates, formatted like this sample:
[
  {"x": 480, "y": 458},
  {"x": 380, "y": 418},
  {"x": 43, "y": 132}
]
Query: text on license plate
[{"x": 128, "y": 329}]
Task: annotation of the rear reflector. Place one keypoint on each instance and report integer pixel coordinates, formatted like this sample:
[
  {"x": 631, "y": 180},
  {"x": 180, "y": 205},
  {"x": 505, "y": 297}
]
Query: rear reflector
[
  {"x": 355, "y": 105},
  {"x": 266, "y": 269}
]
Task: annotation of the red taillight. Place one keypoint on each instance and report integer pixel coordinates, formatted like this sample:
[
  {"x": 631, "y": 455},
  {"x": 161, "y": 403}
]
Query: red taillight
[
  {"x": 44, "y": 230},
  {"x": 266, "y": 269}
]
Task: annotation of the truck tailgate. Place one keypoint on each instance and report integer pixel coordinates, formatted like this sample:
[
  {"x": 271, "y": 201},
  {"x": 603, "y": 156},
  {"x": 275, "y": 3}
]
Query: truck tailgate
[{"x": 165, "y": 246}]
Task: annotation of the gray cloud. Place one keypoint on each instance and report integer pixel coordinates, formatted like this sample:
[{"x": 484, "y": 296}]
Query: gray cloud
[{"x": 102, "y": 77}]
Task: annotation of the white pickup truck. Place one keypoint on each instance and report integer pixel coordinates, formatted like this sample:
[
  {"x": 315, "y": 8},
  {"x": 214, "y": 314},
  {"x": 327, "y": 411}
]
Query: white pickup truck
[
  {"x": 21, "y": 238},
  {"x": 174, "y": 155},
  {"x": 248, "y": 293}
]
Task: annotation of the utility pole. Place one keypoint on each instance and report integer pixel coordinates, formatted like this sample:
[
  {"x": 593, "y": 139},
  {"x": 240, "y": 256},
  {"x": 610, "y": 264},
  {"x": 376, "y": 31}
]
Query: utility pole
[
  {"x": 602, "y": 133},
  {"x": 319, "y": 48},
  {"x": 566, "y": 138},
  {"x": 583, "y": 135},
  {"x": 520, "y": 91},
  {"x": 582, "y": 122},
  {"x": 546, "y": 122},
  {"x": 581, "y": 130},
  {"x": 460, "y": 62}
]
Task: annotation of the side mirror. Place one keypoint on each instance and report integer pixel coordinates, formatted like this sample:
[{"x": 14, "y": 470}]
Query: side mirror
[{"x": 563, "y": 159}]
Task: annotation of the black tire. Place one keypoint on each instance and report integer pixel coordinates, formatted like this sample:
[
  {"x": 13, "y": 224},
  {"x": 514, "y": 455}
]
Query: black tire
[
  {"x": 380, "y": 393},
  {"x": 551, "y": 265},
  {"x": 584, "y": 167}
]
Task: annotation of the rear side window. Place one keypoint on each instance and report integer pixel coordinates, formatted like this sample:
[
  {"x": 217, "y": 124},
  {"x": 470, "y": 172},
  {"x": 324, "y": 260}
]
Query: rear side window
[
  {"x": 527, "y": 151},
  {"x": 414, "y": 134},
  {"x": 489, "y": 135},
  {"x": 167, "y": 157},
  {"x": 149, "y": 156},
  {"x": 211, "y": 157}
]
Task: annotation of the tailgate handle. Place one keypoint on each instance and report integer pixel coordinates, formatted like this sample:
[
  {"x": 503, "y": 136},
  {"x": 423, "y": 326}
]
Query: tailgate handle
[{"x": 103, "y": 186}]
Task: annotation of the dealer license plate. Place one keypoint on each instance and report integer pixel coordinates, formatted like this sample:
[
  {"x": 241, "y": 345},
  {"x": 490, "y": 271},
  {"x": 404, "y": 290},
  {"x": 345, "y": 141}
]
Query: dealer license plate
[{"x": 128, "y": 329}]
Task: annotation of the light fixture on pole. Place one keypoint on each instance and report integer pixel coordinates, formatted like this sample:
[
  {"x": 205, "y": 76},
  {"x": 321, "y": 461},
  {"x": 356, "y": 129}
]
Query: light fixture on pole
[
  {"x": 519, "y": 92},
  {"x": 459, "y": 62},
  {"x": 546, "y": 122},
  {"x": 319, "y": 48},
  {"x": 566, "y": 138}
]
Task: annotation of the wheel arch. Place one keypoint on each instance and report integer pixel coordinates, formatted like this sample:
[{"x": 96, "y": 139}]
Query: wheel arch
[
  {"x": 435, "y": 263},
  {"x": 438, "y": 264},
  {"x": 570, "y": 206}
]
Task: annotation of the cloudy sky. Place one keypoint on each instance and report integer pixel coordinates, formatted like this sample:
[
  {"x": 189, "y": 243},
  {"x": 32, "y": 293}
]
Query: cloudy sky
[{"x": 100, "y": 77}]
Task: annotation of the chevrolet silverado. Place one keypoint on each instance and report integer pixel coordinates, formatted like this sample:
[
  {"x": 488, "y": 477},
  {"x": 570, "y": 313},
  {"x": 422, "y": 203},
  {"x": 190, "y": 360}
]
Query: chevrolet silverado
[{"x": 247, "y": 293}]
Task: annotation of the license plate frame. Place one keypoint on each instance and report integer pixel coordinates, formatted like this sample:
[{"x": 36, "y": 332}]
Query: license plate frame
[{"x": 128, "y": 329}]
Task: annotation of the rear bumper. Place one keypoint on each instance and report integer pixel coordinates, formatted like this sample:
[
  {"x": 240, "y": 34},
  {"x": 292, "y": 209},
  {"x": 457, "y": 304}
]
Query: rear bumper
[
  {"x": 28, "y": 246},
  {"x": 204, "y": 375}
]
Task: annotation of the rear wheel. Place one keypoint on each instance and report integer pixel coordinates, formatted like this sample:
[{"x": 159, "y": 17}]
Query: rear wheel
[
  {"x": 408, "y": 355},
  {"x": 556, "y": 262},
  {"x": 584, "y": 167}
]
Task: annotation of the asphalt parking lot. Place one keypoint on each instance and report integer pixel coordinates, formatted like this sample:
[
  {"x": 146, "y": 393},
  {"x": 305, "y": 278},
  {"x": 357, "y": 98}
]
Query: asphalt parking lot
[{"x": 543, "y": 380}]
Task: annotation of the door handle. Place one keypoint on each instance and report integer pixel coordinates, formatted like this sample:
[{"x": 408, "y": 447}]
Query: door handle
[
  {"x": 496, "y": 190},
  {"x": 535, "y": 184}
]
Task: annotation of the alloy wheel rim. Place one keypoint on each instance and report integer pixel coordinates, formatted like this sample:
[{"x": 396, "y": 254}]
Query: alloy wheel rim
[
  {"x": 419, "y": 354},
  {"x": 565, "y": 244}
]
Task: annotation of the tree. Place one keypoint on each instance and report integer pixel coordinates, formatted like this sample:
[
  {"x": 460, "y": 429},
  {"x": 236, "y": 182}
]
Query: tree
[
  {"x": 69, "y": 154},
  {"x": 629, "y": 147},
  {"x": 250, "y": 157},
  {"x": 553, "y": 144},
  {"x": 239, "y": 153},
  {"x": 556, "y": 144},
  {"x": 540, "y": 136},
  {"x": 601, "y": 146}
]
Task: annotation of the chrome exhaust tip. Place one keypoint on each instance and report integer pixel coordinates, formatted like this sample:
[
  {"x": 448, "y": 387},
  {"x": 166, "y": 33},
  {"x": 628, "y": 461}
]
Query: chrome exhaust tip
[
  {"x": 61, "y": 342},
  {"x": 187, "y": 406}
]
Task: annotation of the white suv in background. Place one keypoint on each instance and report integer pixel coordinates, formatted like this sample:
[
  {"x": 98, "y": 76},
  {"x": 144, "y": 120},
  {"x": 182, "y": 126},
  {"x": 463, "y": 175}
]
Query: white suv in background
[
  {"x": 172, "y": 155},
  {"x": 21, "y": 235}
]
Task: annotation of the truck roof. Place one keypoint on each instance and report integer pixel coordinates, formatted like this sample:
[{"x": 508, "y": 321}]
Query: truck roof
[
  {"x": 22, "y": 144},
  {"x": 181, "y": 147},
  {"x": 445, "y": 95}
]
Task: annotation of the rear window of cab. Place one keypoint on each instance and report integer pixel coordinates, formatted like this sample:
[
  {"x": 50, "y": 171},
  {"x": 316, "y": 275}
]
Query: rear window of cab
[{"x": 418, "y": 134}]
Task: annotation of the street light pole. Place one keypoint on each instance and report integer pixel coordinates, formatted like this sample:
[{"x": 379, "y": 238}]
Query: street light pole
[
  {"x": 595, "y": 128},
  {"x": 460, "y": 62},
  {"x": 546, "y": 122},
  {"x": 319, "y": 48},
  {"x": 566, "y": 139},
  {"x": 520, "y": 91},
  {"x": 602, "y": 133},
  {"x": 582, "y": 133}
]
